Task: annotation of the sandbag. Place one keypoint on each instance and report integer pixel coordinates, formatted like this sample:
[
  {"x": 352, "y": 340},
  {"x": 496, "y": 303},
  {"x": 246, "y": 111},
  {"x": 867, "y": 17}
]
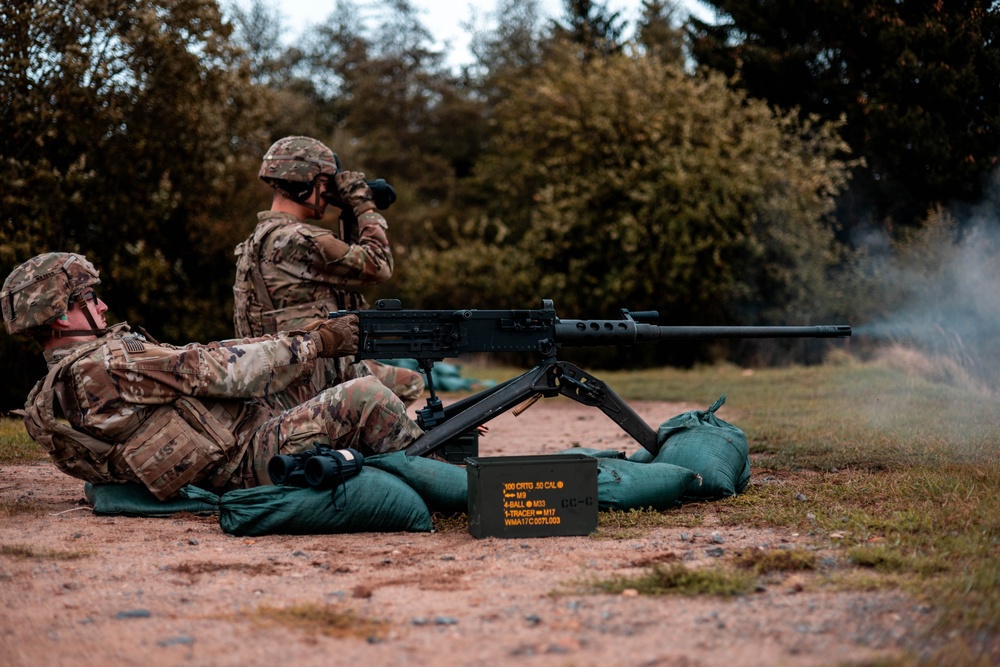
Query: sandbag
[
  {"x": 372, "y": 501},
  {"x": 715, "y": 449},
  {"x": 443, "y": 486},
  {"x": 625, "y": 485},
  {"x": 131, "y": 499},
  {"x": 642, "y": 455},
  {"x": 595, "y": 453}
]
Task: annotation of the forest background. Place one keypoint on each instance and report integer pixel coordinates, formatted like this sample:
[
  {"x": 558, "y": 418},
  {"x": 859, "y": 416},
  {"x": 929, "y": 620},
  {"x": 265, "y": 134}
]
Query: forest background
[{"x": 790, "y": 161}]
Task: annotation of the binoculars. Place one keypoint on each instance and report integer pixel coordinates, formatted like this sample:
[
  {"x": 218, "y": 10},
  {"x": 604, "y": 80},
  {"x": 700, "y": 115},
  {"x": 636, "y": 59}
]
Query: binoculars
[
  {"x": 383, "y": 195},
  {"x": 321, "y": 468}
]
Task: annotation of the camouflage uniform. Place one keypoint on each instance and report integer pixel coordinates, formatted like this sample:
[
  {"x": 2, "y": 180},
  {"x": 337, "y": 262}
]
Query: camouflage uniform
[
  {"x": 127, "y": 386},
  {"x": 167, "y": 416},
  {"x": 289, "y": 272}
]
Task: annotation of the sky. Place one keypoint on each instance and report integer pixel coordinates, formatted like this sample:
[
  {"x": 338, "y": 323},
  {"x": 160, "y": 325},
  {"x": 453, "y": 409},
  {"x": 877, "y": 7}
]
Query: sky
[{"x": 445, "y": 18}]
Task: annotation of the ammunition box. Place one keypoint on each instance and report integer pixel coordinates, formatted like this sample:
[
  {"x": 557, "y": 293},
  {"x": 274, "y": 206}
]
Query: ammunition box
[{"x": 532, "y": 496}]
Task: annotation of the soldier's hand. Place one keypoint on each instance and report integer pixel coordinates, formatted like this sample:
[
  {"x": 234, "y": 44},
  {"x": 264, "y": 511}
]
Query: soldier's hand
[
  {"x": 354, "y": 191},
  {"x": 336, "y": 337}
]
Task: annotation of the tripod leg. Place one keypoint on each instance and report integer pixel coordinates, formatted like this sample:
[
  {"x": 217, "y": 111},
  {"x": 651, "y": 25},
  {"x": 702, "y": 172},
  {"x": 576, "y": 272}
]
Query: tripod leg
[
  {"x": 494, "y": 402},
  {"x": 587, "y": 389}
]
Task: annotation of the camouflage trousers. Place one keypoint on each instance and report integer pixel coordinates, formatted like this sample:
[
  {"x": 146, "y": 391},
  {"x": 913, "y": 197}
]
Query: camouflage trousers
[
  {"x": 362, "y": 414},
  {"x": 407, "y": 384}
]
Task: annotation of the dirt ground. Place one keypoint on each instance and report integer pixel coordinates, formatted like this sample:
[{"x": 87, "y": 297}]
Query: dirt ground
[{"x": 178, "y": 591}]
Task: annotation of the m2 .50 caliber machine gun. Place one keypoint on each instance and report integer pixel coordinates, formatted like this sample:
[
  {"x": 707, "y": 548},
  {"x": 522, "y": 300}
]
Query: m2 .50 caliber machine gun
[{"x": 390, "y": 332}]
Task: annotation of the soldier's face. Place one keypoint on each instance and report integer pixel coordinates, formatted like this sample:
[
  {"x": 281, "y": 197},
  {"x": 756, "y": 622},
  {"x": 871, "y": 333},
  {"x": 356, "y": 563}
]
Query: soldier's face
[{"x": 97, "y": 308}]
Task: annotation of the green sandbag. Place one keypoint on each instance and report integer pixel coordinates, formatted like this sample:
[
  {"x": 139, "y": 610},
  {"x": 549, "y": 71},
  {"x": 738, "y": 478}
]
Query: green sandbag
[
  {"x": 625, "y": 485},
  {"x": 715, "y": 449},
  {"x": 132, "y": 499},
  {"x": 443, "y": 486},
  {"x": 595, "y": 453},
  {"x": 372, "y": 501},
  {"x": 641, "y": 456}
]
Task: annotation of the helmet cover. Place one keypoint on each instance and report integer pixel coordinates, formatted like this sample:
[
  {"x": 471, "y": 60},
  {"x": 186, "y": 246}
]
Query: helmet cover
[
  {"x": 41, "y": 289},
  {"x": 297, "y": 159}
]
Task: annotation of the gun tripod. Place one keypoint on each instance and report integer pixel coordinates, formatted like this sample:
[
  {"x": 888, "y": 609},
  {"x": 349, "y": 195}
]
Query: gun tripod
[{"x": 549, "y": 378}]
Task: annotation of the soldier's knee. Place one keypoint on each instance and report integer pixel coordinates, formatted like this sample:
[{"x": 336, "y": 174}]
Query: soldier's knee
[
  {"x": 371, "y": 388},
  {"x": 411, "y": 391}
]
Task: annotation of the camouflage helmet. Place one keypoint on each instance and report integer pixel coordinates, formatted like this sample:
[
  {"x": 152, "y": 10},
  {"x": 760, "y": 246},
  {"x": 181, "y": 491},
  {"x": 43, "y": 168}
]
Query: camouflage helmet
[
  {"x": 40, "y": 290},
  {"x": 297, "y": 159}
]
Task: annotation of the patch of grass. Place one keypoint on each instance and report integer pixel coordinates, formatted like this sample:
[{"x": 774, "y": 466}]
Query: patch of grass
[
  {"x": 890, "y": 558},
  {"x": 19, "y": 508},
  {"x": 862, "y": 416},
  {"x": 676, "y": 579},
  {"x": 953, "y": 653},
  {"x": 764, "y": 561},
  {"x": 867, "y": 580},
  {"x": 970, "y": 597},
  {"x": 450, "y": 523},
  {"x": 28, "y": 552},
  {"x": 896, "y": 471},
  {"x": 324, "y": 619},
  {"x": 15, "y": 444}
]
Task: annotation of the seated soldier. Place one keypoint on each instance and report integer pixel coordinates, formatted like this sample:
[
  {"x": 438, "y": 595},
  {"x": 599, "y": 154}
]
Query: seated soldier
[
  {"x": 166, "y": 416},
  {"x": 290, "y": 271}
]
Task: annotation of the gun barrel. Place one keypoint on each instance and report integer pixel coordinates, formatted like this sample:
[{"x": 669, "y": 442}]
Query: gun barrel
[
  {"x": 583, "y": 333},
  {"x": 818, "y": 331}
]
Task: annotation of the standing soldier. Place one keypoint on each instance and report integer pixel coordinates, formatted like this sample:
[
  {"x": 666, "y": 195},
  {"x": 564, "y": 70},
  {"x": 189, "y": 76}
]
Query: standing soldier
[
  {"x": 167, "y": 416},
  {"x": 289, "y": 272}
]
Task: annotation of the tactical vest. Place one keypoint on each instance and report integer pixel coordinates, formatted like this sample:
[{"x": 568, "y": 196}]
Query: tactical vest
[
  {"x": 76, "y": 454},
  {"x": 180, "y": 443},
  {"x": 254, "y": 313}
]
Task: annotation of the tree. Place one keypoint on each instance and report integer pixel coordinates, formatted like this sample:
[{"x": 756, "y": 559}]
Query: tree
[
  {"x": 662, "y": 191},
  {"x": 916, "y": 82},
  {"x": 396, "y": 111},
  {"x": 509, "y": 48},
  {"x": 592, "y": 27},
  {"x": 258, "y": 30},
  {"x": 658, "y": 32},
  {"x": 121, "y": 127}
]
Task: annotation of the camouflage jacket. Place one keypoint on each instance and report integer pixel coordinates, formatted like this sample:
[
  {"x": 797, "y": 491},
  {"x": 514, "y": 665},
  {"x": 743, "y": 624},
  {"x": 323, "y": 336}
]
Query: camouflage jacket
[
  {"x": 290, "y": 272},
  {"x": 130, "y": 398}
]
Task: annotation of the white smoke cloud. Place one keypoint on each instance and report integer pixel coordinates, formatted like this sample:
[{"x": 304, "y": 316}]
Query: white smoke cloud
[{"x": 941, "y": 291}]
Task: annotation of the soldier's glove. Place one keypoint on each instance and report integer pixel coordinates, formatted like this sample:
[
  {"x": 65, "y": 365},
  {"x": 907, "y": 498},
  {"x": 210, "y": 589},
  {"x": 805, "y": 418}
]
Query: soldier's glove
[
  {"x": 355, "y": 192},
  {"x": 336, "y": 337}
]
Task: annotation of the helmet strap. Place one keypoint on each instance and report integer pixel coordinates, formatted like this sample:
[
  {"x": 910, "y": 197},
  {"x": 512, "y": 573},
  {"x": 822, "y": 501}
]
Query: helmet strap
[
  {"x": 303, "y": 199},
  {"x": 69, "y": 333},
  {"x": 82, "y": 303}
]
